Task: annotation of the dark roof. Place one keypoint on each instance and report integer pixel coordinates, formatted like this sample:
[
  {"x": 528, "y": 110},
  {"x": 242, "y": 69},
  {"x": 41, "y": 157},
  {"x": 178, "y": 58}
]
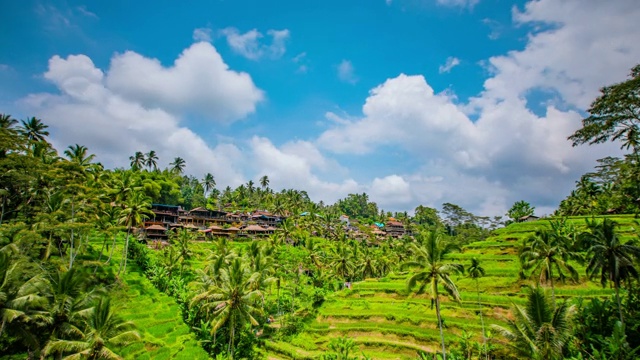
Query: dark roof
[{"x": 164, "y": 205}]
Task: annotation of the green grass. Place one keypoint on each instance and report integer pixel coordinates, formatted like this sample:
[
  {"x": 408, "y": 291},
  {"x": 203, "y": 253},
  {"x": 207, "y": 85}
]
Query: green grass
[{"x": 388, "y": 322}]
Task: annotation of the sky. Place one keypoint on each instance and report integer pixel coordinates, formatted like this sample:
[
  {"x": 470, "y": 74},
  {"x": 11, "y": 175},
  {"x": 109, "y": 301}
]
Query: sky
[{"x": 415, "y": 102}]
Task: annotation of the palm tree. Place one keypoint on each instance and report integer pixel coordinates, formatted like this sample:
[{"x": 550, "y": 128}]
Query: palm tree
[
  {"x": 78, "y": 154},
  {"x": 178, "y": 165},
  {"x": 341, "y": 261},
  {"x": 34, "y": 129},
  {"x": 232, "y": 302},
  {"x": 136, "y": 209},
  {"x": 105, "y": 330},
  {"x": 609, "y": 258},
  {"x": 545, "y": 251},
  {"x": 264, "y": 181},
  {"x": 429, "y": 253},
  {"x": 208, "y": 183},
  {"x": 151, "y": 160},
  {"x": 541, "y": 329},
  {"x": 16, "y": 297},
  {"x": 137, "y": 160},
  {"x": 68, "y": 301},
  {"x": 476, "y": 271},
  {"x": 7, "y": 122}
]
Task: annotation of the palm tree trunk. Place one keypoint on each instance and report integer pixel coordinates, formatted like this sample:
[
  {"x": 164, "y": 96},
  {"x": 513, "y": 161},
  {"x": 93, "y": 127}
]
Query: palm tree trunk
[
  {"x": 553, "y": 289},
  {"x": 71, "y": 249},
  {"x": 104, "y": 242},
  {"x": 113, "y": 246},
  {"x": 484, "y": 338},
  {"x": 617, "y": 287},
  {"x": 444, "y": 351},
  {"x": 123, "y": 261},
  {"x": 2, "y": 213}
]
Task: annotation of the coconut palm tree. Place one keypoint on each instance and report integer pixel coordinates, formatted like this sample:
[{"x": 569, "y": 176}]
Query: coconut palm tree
[
  {"x": 137, "y": 160},
  {"x": 341, "y": 261},
  {"x": 151, "y": 160},
  {"x": 545, "y": 251},
  {"x": 539, "y": 330},
  {"x": 17, "y": 297},
  {"x": 264, "y": 182},
  {"x": 609, "y": 258},
  {"x": 104, "y": 331},
  {"x": 232, "y": 303},
  {"x": 178, "y": 165},
  {"x": 476, "y": 271},
  {"x": 78, "y": 154},
  {"x": 429, "y": 254},
  {"x": 68, "y": 303},
  {"x": 33, "y": 129},
  {"x": 208, "y": 183},
  {"x": 136, "y": 209},
  {"x": 7, "y": 121}
]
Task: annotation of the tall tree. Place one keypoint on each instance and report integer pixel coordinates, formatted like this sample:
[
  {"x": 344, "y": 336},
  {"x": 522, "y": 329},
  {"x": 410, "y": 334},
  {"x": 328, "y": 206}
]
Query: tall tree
[
  {"x": 430, "y": 252},
  {"x": 540, "y": 330},
  {"x": 545, "y": 251},
  {"x": 208, "y": 183},
  {"x": 151, "y": 160},
  {"x": 264, "y": 181},
  {"x": 79, "y": 154},
  {"x": 520, "y": 209},
  {"x": 33, "y": 129},
  {"x": 136, "y": 209},
  {"x": 232, "y": 302},
  {"x": 614, "y": 115},
  {"x": 137, "y": 160},
  {"x": 608, "y": 257},
  {"x": 476, "y": 271},
  {"x": 178, "y": 165},
  {"x": 105, "y": 331}
]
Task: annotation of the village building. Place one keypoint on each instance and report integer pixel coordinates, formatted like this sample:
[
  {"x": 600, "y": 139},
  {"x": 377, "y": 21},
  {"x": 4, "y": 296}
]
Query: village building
[
  {"x": 528, "y": 218},
  {"x": 394, "y": 228}
]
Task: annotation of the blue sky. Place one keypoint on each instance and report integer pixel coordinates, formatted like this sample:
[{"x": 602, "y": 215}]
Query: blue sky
[{"x": 413, "y": 101}]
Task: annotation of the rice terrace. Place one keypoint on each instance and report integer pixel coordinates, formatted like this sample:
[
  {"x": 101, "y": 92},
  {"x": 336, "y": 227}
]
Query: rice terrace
[{"x": 242, "y": 180}]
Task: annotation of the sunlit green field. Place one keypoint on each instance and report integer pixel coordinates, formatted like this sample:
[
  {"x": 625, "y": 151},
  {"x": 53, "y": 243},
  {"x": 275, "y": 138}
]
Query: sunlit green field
[{"x": 387, "y": 322}]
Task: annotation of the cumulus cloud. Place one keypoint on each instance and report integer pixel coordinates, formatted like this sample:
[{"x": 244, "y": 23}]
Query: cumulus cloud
[
  {"x": 88, "y": 112},
  {"x": 202, "y": 34},
  {"x": 495, "y": 150},
  {"x": 249, "y": 44},
  {"x": 346, "y": 72},
  {"x": 198, "y": 82},
  {"x": 449, "y": 64},
  {"x": 458, "y": 3},
  {"x": 293, "y": 165}
]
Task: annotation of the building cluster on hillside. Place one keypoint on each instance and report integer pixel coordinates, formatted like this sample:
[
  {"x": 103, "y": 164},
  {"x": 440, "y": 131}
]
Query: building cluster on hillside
[
  {"x": 209, "y": 222},
  {"x": 217, "y": 223}
]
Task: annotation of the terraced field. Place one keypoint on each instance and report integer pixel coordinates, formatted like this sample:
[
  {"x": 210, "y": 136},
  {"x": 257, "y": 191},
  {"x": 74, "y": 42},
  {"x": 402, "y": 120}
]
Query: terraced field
[
  {"x": 387, "y": 322},
  {"x": 157, "y": 318}
]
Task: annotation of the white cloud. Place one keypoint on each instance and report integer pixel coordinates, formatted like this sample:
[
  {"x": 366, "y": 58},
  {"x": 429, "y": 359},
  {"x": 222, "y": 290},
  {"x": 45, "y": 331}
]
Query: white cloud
[
  {"x": 249, "y": 45},
  {"x": 302, "y": 62},
  {"x": 458, "y": 3},
  {"x": 346, "y": 72},
  {"x": 198, "y": 82},
  {"x": 292, "y": 165},
  {"x": 590, "y": 44},
  {"x": 202, "y": 34},
  {"x": 113, "y": 126},
  {"x": 449, "y": 64},
  {"x": 391, "y": 190}
]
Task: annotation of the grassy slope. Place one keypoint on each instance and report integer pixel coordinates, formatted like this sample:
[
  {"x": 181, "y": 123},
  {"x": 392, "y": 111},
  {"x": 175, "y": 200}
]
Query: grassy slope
[
  {"x": 157, "y": 317},
  {"x": 389, "y": 323}
]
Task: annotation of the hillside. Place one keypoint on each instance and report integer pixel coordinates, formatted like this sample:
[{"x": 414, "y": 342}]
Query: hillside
[{"x": 389, "y": 323}]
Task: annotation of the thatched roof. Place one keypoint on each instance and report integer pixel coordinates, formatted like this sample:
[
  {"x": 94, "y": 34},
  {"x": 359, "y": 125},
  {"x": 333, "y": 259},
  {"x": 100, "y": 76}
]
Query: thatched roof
[
  {"x": 156, "y": 227},
  {"x": 254, "y": 228},
  {"x": 215, "y": 227}
]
